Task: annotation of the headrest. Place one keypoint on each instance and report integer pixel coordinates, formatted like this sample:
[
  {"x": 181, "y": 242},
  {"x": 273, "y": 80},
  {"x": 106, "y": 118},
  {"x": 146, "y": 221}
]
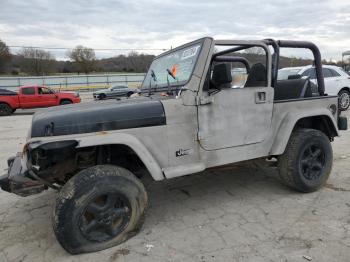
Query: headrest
[{"x": 257, "y": 76}]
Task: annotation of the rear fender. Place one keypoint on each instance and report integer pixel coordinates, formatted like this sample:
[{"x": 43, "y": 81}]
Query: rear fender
[{"x": 289, "y": 122}]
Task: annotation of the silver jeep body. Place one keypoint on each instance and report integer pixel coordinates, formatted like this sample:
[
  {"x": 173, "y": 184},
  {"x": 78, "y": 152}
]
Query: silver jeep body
[{"x": 201, "y": 130}]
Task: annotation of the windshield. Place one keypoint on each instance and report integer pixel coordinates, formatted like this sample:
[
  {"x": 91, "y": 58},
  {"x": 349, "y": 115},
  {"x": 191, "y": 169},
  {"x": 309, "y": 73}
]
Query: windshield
[
  {"x": 342, "y": 69},
  {"x": 284, "y": 73},
  {"x": 175, "y": 67}
]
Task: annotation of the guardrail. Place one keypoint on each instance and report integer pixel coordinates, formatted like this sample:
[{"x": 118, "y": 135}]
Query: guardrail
[{"x": 74, "y": 82}]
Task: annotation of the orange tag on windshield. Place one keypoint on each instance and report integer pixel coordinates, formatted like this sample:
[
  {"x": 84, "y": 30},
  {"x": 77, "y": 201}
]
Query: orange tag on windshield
[{"x": 174, "y": 69}]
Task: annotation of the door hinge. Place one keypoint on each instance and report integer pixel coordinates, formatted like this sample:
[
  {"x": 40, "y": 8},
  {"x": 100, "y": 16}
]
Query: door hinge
[{"x": 205, "y": 100}]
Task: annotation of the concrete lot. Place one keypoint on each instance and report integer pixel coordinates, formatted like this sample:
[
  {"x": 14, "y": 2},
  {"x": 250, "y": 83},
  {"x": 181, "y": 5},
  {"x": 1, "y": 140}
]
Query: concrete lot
[{"x": 235, "y": 214}]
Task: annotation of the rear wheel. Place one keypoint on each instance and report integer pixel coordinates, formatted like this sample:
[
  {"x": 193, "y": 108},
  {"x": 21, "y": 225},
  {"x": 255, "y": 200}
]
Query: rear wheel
[
  {"x": 98, "y": 208},
  {"x": 307, "y": 161},
  {"x": 344, "y": 100},
  {"x": 5, "y": 109},
  {"x": 66, "y": 102}
]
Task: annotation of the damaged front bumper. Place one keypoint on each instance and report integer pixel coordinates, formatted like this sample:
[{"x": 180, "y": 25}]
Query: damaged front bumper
[{"x": 18, "y": 179}]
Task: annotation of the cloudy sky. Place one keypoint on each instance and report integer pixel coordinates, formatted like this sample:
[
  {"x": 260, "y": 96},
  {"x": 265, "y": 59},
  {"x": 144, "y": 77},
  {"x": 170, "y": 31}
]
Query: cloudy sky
[{"x": 165, "y": 23}]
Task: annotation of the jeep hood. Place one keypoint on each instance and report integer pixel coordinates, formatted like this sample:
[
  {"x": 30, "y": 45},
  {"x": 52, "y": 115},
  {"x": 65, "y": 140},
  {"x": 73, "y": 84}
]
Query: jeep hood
[{"x": 97, "y": 116}]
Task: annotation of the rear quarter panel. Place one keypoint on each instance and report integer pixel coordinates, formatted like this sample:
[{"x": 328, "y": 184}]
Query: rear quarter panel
[
  {"x": 12, "y": 101},
  {"x": 287, "y": 113}
]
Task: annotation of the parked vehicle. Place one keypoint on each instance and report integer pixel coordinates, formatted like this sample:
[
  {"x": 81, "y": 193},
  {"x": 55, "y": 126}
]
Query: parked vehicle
[
  {"x": 337, "y": 81},
  {"x": 34, "y": 97},
  {"x": 346, "y": 65},
  {"x": 97, "y": 157},
  {"x": 113, "y": 92}
]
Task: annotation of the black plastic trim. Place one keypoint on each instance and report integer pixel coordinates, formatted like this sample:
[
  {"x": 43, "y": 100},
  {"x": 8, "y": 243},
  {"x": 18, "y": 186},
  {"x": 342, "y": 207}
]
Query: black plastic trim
[{"x": 342, "y": 123}]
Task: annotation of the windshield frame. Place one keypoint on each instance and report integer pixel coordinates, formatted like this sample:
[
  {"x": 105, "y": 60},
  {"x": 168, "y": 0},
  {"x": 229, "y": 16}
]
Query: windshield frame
[{"x": 173, "y": 84}]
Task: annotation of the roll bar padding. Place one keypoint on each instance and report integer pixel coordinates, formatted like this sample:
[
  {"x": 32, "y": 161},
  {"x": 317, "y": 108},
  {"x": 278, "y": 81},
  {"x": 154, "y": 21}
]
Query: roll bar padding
[{"x": 317, "y": 58}]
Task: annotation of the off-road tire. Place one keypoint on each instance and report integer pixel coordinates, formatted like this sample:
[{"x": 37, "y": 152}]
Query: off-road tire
[
  {"x": 342, "y": 93},
  {"x": 5, "y": 109},
  {"x": 306, "y": 148},
  {"x": 77, "y": 195},
  {"x": 66, "y": 102}
]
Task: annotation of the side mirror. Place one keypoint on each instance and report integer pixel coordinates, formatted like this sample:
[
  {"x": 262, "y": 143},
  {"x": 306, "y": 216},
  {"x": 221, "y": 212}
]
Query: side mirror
[{"x": 222, "y": 74}]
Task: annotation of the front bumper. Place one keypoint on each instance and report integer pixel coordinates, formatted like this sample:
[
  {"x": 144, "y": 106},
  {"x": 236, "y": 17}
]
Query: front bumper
[{"x": 17, "y": 180}]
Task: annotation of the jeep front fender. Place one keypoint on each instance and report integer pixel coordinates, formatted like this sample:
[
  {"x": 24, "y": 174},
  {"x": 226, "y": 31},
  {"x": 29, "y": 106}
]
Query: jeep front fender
[{"x": 105, "y": 138}]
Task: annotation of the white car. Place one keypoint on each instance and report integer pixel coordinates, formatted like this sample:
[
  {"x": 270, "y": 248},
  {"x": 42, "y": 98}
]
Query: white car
[{"x": 337, "y": 81}]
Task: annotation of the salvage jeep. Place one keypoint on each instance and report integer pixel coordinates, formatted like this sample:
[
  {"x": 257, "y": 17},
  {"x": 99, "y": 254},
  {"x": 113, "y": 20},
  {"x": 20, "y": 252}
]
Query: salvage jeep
[{"x": 202, "y": 105}]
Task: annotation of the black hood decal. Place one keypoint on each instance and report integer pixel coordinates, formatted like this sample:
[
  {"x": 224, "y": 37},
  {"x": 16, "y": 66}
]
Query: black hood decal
[{"x": 97, "y": 116}]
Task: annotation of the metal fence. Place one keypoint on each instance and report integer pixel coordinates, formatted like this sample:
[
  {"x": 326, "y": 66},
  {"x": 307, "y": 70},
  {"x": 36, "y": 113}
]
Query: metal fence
[{"x": 74, "y": 82}]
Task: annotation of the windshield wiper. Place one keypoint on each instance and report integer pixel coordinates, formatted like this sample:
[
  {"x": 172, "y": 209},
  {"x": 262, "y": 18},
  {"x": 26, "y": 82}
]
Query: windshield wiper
[
  {"x": 167, "y": 80},
  {"x": 171, "y": 73},
  {"x": 154, "y": 78}
]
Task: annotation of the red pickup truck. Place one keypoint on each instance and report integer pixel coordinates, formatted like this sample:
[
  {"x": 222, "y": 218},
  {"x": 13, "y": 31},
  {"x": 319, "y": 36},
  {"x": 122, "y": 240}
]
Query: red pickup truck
[{"x": 33, "y": 97}]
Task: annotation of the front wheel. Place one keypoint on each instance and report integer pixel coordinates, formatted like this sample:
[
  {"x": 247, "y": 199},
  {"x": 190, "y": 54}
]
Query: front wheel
[
  {"x": 344, "y": 100},
  {"x": 307, "y": 161},
  {"x": 66, "y": 102},
  {"x": 98, "y": 208},
  {"x": 5, "y": 109}
]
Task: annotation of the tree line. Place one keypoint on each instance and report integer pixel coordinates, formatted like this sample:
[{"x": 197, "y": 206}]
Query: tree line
[{"x": 34, "y": 61}]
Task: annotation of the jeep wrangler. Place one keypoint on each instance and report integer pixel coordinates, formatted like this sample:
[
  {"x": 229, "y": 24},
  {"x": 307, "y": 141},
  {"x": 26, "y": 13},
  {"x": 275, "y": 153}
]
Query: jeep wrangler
[{"x": 204, "y": 104}]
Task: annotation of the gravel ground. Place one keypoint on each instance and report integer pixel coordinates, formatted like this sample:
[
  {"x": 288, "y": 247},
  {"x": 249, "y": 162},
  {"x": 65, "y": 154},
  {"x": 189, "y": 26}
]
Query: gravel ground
[{"x": 239, "y": 213}]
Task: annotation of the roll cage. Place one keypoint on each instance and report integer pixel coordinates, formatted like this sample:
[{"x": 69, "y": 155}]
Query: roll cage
[
  {"x": 276, "y": 45},
  {"x": 272, "y": 60}
]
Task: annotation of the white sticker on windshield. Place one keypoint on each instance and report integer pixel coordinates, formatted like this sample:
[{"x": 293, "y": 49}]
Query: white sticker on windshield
[{"x": 190, "y": 52}]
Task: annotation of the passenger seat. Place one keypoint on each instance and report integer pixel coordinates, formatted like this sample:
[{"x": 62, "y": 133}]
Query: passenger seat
[{"x": 293, "y": 89}]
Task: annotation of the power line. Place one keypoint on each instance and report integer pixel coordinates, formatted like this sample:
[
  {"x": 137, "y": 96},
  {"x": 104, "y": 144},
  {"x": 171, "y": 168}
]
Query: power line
[{"x": 98, "y": 49}]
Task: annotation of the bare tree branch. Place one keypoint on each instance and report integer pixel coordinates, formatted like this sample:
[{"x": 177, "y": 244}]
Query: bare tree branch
[{"x": 84, "y": 58}]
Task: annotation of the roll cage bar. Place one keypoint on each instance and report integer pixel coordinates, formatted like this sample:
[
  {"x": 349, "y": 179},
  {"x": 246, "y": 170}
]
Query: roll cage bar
[
  {"x": 276, "y": 45},
  {"x": 233, "y": 59}
]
